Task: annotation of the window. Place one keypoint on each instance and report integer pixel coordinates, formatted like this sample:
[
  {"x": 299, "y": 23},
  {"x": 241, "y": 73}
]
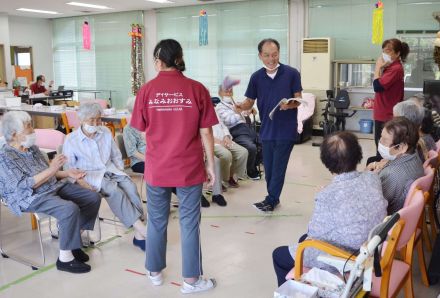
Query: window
[
  {"x": 234, "y": 31},
  {"x": 24, "y": 59}
]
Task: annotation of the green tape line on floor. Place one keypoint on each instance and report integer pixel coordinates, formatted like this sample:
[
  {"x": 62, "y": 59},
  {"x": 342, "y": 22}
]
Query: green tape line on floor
[{"x": 49, "y": 267}]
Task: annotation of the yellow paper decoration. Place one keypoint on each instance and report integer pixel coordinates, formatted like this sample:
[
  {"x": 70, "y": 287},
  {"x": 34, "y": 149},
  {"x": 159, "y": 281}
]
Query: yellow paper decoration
[{"x": 377, "y": 30}]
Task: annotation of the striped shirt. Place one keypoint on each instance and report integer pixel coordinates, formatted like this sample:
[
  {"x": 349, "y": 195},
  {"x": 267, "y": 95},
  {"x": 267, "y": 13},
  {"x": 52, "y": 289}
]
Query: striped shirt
[
  {"x": 96, "y": 155},
  {"x": 397, "y": 176},
  {"x": 134, "y": 142},
  {"x": 17, "y": 171},
  {"x": 227, "y": 115}
]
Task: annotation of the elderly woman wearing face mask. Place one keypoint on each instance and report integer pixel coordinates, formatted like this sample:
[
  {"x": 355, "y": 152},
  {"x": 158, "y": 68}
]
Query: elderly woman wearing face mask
[
  {"x": 92, "y": 149},
  {"x": 29, "y": 184},
  {"x": 401, "y": 164},
  {"x": 388, "y": 82}
]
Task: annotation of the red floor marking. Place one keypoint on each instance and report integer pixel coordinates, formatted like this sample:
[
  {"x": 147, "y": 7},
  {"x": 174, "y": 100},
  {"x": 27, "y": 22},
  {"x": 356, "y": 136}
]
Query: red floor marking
[
  {"x": 175, "y": 283},
  {"x": 214, "y": 226},
  {"x": 135, "y": 272}
]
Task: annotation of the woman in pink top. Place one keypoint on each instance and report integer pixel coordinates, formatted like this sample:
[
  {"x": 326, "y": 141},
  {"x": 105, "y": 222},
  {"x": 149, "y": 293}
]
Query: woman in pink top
[{"x": 177, "y": 116}]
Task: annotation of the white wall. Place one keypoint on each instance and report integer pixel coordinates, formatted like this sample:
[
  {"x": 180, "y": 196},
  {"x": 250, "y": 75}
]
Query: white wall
[
  {"x": 4, "y": 40},
  {"x": 35, "y": 33}
]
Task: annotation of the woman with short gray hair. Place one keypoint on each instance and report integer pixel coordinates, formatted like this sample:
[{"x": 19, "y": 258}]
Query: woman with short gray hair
[
  {"x": 29, "y": 184},
  {"x": 89, "y": 110},
  {"x": 92, "y": 149}
]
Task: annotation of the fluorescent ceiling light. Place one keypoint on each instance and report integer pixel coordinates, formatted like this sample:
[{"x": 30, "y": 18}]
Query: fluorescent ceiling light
[
  {"x": 160, "y": 1},
  {"x": 88, "y": 5},
  {"x": 38, "y": 11}
]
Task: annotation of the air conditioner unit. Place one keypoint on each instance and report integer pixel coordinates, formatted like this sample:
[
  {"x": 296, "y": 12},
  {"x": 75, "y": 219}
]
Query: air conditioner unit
[{"x": 316, "y": 63}]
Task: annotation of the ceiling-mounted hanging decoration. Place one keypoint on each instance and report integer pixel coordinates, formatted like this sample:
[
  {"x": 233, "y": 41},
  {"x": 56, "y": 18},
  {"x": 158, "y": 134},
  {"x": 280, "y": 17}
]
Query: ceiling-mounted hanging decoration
[
  {"x": 137, "y": 66},
  {"x": 86, "y": 35},
  {"x": 377, "y": 27},
  {"x": 203, "y": 28}
]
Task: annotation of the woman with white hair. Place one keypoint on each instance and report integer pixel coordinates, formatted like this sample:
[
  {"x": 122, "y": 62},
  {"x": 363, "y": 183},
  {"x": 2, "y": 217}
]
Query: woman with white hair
[
  {"x": 134, "y": 142},
  {"x": 29, "y": 184},
  {"x": 92, "y": 149}
]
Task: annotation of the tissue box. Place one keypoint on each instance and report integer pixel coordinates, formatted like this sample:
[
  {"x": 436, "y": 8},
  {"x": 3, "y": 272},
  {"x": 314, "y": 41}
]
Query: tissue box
[
  {"x": 294, "y": 289},
  {"x": 13, "y": 101}
]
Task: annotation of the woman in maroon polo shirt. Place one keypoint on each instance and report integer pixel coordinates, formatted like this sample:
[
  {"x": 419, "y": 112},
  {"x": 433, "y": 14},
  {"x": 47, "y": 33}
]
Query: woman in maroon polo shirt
[
  {"x": 177, "y": 116},
  {"x": 388, "y": 82}
]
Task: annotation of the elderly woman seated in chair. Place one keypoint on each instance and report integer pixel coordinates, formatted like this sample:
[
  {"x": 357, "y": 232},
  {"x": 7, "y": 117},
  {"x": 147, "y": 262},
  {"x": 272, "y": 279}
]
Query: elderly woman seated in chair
[
  {"x": 401, "y": 164},
  {"x": 134, "y": 142},
  {"x": 345, "y": 210},
  {"x": 29, "y": 184},
  {"x": 91, "y": 148}
]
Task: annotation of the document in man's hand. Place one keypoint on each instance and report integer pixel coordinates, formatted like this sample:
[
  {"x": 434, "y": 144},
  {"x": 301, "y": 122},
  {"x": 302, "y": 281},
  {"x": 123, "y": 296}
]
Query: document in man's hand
[{"x": 286, "y": 101}]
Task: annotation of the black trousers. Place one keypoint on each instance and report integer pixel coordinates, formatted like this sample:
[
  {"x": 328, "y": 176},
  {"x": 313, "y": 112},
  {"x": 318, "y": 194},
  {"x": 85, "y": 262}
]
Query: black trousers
[
  {"x": 378, "y": 127},
  {"x": 282, "y": 263},
  {"x": 138, "y": 167}
]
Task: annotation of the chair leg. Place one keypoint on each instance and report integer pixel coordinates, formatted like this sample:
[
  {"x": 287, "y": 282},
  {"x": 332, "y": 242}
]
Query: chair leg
[
  {"x": 43, "y": 255},
  {"x": 422, "y": 264},
  {"x": 18, "y": 258},
  {"x": 409, "y": 290},
  {"x": 425, "y": 235}
]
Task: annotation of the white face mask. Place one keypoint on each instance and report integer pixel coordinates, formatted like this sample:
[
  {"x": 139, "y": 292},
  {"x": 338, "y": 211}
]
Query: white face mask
[
  {"x": 227, "y": 99},
  {"x": 386, "y": 58},
  {"x": 271, "y": 69},
  {"x": 90, "y": 128},
  {"x": 29, "y": 141},
  {"x": 384, "y": 151}
]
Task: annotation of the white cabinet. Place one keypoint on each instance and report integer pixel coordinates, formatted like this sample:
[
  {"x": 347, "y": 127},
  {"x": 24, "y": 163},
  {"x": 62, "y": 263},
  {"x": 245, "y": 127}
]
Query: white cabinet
[{"x": 316, "y": 69}]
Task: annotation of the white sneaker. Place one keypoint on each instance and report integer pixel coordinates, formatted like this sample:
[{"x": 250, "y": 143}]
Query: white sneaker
[
  {"x": 200, "y": 286},
  {"x": 156, "y": 280}
]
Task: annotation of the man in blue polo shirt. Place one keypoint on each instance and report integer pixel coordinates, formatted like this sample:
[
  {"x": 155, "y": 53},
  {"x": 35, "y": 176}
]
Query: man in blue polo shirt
[{"x": 268, "y": 86}]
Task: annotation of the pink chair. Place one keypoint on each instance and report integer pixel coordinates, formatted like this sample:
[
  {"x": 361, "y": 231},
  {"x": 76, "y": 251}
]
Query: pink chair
[
  {"x": 102, "y": 102},
  {"x": 432, "y": 160},
  {"x": 399, "y": 274},
  {"x": 70, "y": 120},
  {"x": 49, "y": 138},
  {"x": 425, "y": 184}
]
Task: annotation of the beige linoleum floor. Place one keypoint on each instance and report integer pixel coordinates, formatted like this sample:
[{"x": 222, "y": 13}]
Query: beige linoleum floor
[{"x": 237, "y": 243}]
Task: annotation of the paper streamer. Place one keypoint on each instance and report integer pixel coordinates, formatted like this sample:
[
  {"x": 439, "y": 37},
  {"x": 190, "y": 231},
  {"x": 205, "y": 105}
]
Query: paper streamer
[
  {"x": 86, "y": 36},
  {"x": 203, "y": 28},
  {"x": 377, "y": 24}
]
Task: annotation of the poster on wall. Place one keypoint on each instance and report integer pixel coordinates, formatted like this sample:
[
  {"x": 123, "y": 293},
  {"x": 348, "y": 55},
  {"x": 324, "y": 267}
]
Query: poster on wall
[{"x": 203, "y": 28}]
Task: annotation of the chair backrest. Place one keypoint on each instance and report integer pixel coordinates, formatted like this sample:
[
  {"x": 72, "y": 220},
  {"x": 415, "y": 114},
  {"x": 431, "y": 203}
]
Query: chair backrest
[
  {"x": 386, "y": 263},
  {"x": 432, "y": 160},
  {"x": 102, "y": 102},
  {"x": 71, "y": 120},
  {"x": 423, "y": 183},
  {"x": 121, "y": 145},
  {"x": 411, "y": 215},
  {"x": 49, "y": 138}
]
